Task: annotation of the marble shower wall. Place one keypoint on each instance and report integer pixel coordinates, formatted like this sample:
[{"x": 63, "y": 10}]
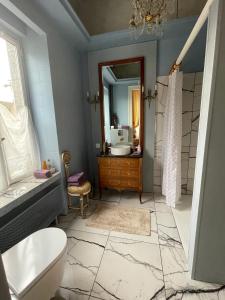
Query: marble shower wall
[{"x": 192, "y": 87}]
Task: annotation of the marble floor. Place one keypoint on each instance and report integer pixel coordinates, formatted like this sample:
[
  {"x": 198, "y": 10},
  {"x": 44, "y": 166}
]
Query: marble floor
[
  {"x": 182, "y": 216},
  {"x": 110, "y": 265}
]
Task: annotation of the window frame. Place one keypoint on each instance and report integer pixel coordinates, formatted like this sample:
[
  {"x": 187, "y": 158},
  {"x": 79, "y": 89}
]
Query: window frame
[{"x": 16, "y": 41}]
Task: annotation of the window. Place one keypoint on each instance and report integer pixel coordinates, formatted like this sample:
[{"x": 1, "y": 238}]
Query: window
[{"x": 18, "y": 146}]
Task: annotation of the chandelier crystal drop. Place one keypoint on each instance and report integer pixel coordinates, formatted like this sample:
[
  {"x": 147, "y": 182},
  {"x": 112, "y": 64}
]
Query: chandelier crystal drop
[{"x": 150, "y": 16}]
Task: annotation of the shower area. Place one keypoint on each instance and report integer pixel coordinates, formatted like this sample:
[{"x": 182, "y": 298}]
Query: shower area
[{"x": 191, "y": 100}]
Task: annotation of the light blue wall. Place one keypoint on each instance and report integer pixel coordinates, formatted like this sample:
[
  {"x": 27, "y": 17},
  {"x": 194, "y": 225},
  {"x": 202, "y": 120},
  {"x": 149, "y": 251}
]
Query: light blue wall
[
  {"x": 10, "y": 22},
  {"x": 104, "y": 77},
  {"x": 148, "y": 50},
  {"x": 40, "y": 95},
  {"x": 120, "y": 102},
  {"x": 70, "y": 76},
  {"x": 112, "y": 46},
  {"x": 168, "y": 48},
  {"x": 87, "y": 114},
  {"x": 66, "y": 81},
  {"x": 66, "y": 69},
  {"x": 59, "y": 88}
]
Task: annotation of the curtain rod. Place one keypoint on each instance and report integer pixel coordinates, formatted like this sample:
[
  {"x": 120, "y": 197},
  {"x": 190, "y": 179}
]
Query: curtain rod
[{"x": 198, "y": 25}]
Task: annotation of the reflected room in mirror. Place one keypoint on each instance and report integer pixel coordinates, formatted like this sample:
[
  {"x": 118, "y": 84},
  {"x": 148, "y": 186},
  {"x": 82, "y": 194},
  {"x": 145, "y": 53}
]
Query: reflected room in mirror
[{"x": 121, "y": 99}]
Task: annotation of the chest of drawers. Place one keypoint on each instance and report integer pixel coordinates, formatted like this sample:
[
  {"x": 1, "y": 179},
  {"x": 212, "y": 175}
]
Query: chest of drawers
[{"x": 120, "y": 173}]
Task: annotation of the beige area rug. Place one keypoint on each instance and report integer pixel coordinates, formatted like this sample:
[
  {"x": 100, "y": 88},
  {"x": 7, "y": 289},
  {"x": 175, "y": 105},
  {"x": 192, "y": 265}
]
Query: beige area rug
[{"x": 120, "y": 218}]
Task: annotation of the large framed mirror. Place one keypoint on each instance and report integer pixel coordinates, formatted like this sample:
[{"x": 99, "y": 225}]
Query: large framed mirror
[{"x": 121, "y": 90}]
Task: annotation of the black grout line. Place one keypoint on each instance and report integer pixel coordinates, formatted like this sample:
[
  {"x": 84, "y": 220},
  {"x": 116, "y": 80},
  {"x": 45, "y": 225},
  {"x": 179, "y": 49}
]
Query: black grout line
[
  {"x": 99, "y": 264},
  {"x": 184, "y": 90},
  {"x": 160, "y": 253},
  {"x": 122, "y": 239},
  {"x": 168, "y": 246},
  {"x": 132, "y": 240},
  {"x": 193, "y": 100},
  {"x": 79, "y": 230},
  {"x": 160, "y": 246},
  {"x": 185, "y": 191}
]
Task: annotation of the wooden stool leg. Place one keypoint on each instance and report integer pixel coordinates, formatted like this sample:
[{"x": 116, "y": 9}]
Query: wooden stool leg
[
  {"x": 69, "y": 200},
  {"x": 82, "y": 206},
  {"x": 88, "y": 200}
]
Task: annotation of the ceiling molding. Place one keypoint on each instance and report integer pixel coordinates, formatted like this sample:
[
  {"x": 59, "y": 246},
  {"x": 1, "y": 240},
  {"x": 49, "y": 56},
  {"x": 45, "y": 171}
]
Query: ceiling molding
[
  {"x": 173, "y": 29},
  {"x": 9, "y": 21},
  {"x": 75, "y": 18},
  {"x": 104, "y": 16}
]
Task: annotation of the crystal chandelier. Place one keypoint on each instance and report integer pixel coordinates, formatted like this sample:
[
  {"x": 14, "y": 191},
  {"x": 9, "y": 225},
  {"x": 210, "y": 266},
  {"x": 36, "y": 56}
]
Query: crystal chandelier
[{"x": 150, "y": 16}]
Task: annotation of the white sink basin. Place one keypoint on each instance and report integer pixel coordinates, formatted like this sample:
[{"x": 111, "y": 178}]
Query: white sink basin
[{"x": 120, "y": 150}]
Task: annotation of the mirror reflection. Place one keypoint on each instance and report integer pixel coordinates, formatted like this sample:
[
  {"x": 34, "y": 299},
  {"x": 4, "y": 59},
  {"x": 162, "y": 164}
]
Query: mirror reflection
[{"x": 122, "y": 102}]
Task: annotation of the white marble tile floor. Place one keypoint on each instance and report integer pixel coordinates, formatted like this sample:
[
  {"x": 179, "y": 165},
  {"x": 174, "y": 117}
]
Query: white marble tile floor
[
  {"x": 107, "y": 265},
  {"x": 182, "y": 216}
]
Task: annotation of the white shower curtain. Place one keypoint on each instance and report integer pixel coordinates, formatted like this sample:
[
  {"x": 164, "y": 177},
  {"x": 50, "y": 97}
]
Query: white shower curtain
[{"x": 171, "y": 183}]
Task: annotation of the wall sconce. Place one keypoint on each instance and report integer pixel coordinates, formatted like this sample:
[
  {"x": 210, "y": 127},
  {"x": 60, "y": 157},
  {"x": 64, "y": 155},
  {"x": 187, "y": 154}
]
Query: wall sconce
[
  {"x": 149, "y": 97},
  {"x": 93, "y": 100}
]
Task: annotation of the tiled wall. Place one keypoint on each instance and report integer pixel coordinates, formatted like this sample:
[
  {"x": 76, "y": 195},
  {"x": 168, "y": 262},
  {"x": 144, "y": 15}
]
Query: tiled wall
[{"x": 192, "y": 86}]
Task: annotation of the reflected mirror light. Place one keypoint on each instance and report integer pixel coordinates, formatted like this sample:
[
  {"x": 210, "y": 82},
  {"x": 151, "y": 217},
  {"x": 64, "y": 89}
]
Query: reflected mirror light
[{"x": 122, "y": 103}]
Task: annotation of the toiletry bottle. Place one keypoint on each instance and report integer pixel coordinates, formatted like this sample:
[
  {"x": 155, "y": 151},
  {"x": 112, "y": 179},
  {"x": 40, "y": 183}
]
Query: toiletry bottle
[
  {"x": 106, "y": 147},
  {"x": 44, "y": 165},
  {"x": 103, "y": 148},
  {"x": 49, "y": 165}
]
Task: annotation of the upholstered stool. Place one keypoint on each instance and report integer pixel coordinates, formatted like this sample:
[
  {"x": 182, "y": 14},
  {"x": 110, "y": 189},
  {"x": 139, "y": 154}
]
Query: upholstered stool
[{"x": 75, "y": 191}]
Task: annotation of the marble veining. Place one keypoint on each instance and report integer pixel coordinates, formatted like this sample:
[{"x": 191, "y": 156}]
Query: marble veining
[
  {"x": 84, "y": 255},
  {"x": 131, "y": 258},
  {"x": 178, "y": 285},
  {"x": 19, "y": 192},
  {"x": 192, "y": 86},
  {"x": 109, "y": 265},
  {"x": 167, "y": 229}
]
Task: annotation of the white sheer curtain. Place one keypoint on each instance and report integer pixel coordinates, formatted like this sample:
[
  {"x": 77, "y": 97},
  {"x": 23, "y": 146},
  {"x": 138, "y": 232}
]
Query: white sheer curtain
[
  {"x": 19, "y": 154},
  {"x": 3, "y": 176},
  {"x": 171, "y": 184},
  {"x": 19, "y": 150}
]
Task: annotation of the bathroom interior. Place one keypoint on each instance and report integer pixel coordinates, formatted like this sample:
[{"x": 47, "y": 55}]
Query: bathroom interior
[{"x": 111, "y": 157}]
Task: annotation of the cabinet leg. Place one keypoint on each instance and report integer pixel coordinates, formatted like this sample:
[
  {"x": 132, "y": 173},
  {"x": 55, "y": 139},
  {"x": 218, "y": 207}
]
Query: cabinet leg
[{"x": 140, "y": 193}]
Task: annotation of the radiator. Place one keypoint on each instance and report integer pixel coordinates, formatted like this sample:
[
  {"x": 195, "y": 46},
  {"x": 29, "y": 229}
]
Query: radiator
[{"x": 37, "y": 216}]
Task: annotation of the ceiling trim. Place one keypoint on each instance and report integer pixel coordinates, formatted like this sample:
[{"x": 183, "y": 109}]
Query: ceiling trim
[
  {"x": 21, "y": 15},
  {"x": 9, "y": 21},
  {"x": 75, "y": 18},
  {"x": 173, "y": 29}
]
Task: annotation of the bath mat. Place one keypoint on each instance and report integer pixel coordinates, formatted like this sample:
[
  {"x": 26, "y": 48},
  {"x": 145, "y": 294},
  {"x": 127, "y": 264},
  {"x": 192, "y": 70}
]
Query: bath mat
[{"x": 122, "y": 219}]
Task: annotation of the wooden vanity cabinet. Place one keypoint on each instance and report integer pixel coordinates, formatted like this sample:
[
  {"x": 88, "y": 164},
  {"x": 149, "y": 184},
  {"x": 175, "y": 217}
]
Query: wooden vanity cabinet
[{"x": 120, "y": 173}]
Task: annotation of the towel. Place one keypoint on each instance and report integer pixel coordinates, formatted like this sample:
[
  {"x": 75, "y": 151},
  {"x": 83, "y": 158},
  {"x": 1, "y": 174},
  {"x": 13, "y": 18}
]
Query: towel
[
  {"x": 76, "y": 179},
  {"x": 42, "y": 174}
]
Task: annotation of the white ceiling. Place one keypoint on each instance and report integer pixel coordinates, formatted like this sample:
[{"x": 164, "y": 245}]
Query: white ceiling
[{"x": 100, "y": 16}]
